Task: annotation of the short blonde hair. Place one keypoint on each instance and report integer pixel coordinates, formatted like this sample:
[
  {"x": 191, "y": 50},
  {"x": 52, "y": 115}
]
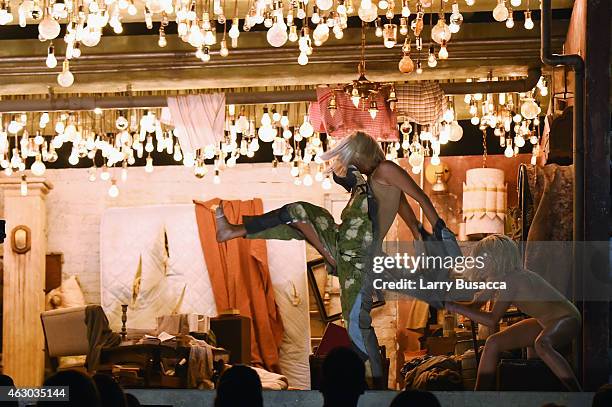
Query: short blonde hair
[
  {"x": 358, "y": 149},
  {"x": 502, "y": 253}
]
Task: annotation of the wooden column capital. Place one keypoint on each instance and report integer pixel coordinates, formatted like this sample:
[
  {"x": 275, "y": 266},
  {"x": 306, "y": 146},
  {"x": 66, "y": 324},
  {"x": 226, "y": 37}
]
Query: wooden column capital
[{"x": 36, "y": 186}]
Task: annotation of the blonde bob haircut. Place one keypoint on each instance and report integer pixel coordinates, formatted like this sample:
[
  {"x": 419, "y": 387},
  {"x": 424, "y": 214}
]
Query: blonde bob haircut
[
  {"x": 358, "y": 149},
  {"x": 501, "y": 253}
]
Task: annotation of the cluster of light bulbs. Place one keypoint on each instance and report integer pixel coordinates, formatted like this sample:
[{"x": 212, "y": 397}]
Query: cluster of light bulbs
[
  {"x": 428, "y": 141},
  {"x": 513, "y": 126},
  {"x": 139, "y": 133},
  {"x": 503, "y": 13},
  {"x": 85, "y": 22},
  {"x": 441, "y": 34}
]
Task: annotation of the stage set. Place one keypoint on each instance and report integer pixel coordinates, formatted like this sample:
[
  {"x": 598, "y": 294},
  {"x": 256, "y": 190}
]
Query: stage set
[{"x": 190, "y": 185}]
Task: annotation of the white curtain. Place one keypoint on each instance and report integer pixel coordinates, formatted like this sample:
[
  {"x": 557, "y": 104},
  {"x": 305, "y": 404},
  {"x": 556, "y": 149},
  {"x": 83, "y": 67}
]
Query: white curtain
[{"x": 198, "y": 120}]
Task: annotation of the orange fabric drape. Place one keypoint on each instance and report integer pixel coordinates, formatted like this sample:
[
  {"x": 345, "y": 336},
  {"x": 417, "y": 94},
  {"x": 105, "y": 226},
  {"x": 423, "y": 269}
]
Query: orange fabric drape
[{"x": 240, "y": 278}]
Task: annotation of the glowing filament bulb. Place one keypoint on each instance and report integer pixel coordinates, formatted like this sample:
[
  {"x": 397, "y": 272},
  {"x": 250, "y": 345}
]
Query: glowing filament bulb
[
  {"x": 528, "y": 21},
  {"x": 51, "y": 61}
]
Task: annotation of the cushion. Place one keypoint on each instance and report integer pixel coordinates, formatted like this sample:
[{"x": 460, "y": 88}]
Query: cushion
[
  {"x": 68, "y": 295},
  {"x": 72, "y": 295}
]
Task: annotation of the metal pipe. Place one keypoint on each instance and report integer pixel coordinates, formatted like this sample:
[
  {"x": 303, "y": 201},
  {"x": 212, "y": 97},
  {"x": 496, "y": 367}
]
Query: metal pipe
[
  {"x": 240, "y": 98},
  {"x": 517, "y": 85}
]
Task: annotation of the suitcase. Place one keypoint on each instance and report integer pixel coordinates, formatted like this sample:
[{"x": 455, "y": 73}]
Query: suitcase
[{"x": 526, "y": 375}]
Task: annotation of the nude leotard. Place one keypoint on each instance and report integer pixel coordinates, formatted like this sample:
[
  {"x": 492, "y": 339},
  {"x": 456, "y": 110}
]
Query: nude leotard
[{"x": 554, "y": 308}]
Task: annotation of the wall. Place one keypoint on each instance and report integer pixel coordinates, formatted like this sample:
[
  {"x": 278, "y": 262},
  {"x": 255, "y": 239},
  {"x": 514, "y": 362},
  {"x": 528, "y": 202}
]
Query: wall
[{"x": 75, "y": 205}]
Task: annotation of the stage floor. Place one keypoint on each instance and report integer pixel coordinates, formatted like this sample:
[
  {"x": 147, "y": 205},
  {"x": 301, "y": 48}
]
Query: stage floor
[{"x": 192, "y": 398}]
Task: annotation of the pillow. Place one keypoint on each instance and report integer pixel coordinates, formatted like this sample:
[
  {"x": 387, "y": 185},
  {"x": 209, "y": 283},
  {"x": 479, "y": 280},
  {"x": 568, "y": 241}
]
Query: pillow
[
  {"x": 72, "y": 295},
  {"x": 68, "y": 295}
]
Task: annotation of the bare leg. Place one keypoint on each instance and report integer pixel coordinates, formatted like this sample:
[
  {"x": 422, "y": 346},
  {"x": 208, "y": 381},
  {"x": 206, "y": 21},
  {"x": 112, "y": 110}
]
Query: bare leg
[
  {"x": 556, "y": 334},
  {"x": 519, "y": 335},
  {"x": 311, "y": 236},
  {"x": 225, "y": 230}
]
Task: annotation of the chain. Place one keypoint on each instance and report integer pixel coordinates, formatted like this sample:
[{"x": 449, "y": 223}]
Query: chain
[{"x": 484, "y": 148}]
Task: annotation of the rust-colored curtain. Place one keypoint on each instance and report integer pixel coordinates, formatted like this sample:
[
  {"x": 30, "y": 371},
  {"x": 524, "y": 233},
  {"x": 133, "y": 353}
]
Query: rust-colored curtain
[{"x": 240, "y": 278}]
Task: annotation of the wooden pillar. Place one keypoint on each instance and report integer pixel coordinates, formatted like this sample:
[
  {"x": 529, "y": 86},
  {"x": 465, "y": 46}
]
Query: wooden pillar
[
  {"x": 24, "y": 282},
  {"x": 596, "y": 317}
]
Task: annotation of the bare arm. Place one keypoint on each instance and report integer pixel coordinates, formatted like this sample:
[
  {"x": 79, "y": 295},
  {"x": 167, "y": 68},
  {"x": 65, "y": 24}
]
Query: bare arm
[
  {"x": 488, "y": 318},
  {"x": 407, "y": 214},
  {"x": 392, "y": 174}
]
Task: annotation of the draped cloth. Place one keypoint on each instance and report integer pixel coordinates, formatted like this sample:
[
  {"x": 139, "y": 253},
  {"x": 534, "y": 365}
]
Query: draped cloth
[
  {"x": 198, "y": 120},
  {"x": 551, "y": 189},
  {"x": 240, "y": 278},
  {"x": 348, "y": 119},
  {"x": 420, "y": 102}
]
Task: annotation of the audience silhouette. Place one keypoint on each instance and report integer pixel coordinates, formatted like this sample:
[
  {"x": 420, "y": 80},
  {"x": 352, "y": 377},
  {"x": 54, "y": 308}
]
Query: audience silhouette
[
  {"x": 342, "y": 378},
  {"x": 239, "y": 386},
  {"x": 415, "y": 398},
  {"x": 603, "y": 397},
  {"x": 82, "y": 389},
  {"x": 111, "y": 393}
]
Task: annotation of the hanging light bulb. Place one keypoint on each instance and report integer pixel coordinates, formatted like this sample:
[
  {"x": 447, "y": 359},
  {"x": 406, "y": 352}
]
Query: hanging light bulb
[
  {"x": 515, "y": 3},
  {"x": 307, "y": 180},
  {"x": 277, "y": 34},
  {"x": 530, "y": 109},
  {"x": 419, "y": 67},
  {"x": 500, "y": 12},
  {"x": 303, "y": 58},
  {"x": 431, "y": 58},
  {"x": 51, "y": 61},
  {"x": 510, "y": 20},
  {"x": 509, "y": 151},
  {"x": 306, "y": 129},
  {"x": 38, "y": 167},
  {"x": 470, "y": 2},
  {"x": 162, "y": 42},
  {"x": 65, "y": 78},
  {"x": 113, "y": 191},
  {"x": 367, "y": 11},
  {"x": 324, "y": 4},
  {"x": 266, "y": 120},
  {"x": 234, "y": 32},
  {"x": 405, "y": 9},
  {"x": 406, "y": 65},
  {"x": 456, "y": 19},
  {"x": 440, "y": 32},
  {"x": 528, "y": 21},
  {"x": 49, "y": 28},
  {"x": 443, "y": 54},
  {"x": 378, "y": 31},
  {"x": 24, "y": 186},
  {"x": 390, "y": 35},
  {"x": 373, "y": 109},
  {"x": 149, "y": 164}
]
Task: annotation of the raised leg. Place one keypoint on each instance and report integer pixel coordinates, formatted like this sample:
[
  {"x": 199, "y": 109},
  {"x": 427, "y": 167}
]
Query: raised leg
[
  {"x": 519, "y": 335},
  {"x": 557, "y": 334},
  {"x": 225, "y": 230},
  {"x": 311, "y": 236}
]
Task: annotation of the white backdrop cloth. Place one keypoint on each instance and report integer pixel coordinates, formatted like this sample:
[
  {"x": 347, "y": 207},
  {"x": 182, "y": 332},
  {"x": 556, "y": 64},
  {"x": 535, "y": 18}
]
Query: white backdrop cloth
[{"x": 176, "y": 279}]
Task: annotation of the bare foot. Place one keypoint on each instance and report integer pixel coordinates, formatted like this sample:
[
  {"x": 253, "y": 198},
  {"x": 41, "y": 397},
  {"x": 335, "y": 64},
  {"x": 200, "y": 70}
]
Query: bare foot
[{"x": 225, "y": 230}]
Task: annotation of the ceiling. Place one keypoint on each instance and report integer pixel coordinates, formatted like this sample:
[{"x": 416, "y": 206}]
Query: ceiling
[{"x": 135, "y": 60}]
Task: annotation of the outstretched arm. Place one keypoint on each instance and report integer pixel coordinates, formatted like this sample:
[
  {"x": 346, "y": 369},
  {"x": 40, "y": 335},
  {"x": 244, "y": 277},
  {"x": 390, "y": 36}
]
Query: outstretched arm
[
  {"x": 488, "y": 318},
  {"x": 392, "y": 174},
  {"x": 407, "y": 214}
]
